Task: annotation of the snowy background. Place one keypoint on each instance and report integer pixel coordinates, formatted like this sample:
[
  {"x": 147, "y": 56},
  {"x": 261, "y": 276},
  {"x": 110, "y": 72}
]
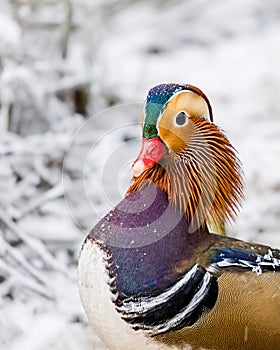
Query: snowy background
[{"x": 72, "y": 74}]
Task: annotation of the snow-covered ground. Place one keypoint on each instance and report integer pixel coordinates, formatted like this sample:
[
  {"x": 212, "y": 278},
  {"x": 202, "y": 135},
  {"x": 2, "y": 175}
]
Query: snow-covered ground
[{"x": 72, "y": 75}]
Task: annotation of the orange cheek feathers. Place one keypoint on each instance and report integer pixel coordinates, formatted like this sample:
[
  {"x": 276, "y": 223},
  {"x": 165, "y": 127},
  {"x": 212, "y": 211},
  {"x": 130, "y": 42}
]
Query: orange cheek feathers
[{"x": 174, "y": 140}]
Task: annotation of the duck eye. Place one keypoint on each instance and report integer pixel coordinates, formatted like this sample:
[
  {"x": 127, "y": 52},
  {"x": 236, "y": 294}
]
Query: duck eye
[{"x": 181, "y": 118}]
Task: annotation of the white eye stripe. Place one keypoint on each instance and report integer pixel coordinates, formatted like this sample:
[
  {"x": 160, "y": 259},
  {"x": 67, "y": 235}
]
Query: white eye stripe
[
  {"x": 181, "y": 119},
  {"x": 158, "y": 119}
]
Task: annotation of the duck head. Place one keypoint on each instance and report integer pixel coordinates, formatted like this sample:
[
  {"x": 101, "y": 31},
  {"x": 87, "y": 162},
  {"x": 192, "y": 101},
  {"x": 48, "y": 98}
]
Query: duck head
[{"x": 188, "y": 156}]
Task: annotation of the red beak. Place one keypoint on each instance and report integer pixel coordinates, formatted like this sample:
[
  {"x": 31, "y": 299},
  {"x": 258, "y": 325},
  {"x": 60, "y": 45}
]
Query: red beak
[{"x": 152, "y": 151}]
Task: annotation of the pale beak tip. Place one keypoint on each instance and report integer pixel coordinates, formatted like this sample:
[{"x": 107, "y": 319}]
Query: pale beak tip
[{"x": 138, "y": 167}]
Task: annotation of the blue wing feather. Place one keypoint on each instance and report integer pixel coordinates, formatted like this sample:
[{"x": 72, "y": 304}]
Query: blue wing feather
[{"x": 228, "y": 257}]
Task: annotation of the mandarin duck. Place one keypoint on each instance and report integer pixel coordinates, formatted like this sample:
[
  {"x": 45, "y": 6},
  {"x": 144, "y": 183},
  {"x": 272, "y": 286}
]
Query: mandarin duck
[{"x": 151, "y": 274}]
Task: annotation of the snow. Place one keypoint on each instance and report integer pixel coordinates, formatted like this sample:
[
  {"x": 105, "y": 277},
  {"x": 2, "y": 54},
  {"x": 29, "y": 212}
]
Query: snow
[
  {"x": 73, "y": 75},
  {"x": 10, "y": 34}
]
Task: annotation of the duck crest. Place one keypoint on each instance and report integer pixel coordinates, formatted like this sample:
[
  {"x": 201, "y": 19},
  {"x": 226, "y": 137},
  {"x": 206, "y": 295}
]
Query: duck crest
[{"x": 156, "y": 101}]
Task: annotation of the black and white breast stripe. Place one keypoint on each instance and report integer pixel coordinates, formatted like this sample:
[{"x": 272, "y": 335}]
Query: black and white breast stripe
[{"x": 180, "y": 305}]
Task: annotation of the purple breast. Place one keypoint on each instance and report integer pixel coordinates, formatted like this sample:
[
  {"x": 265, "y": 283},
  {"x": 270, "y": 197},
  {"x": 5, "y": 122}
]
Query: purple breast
[{"x": 146, "y": 241}]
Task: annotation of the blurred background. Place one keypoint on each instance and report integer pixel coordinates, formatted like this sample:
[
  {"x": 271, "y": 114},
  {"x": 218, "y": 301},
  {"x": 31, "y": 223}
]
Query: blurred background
[{"x": 72, "y": 74}]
